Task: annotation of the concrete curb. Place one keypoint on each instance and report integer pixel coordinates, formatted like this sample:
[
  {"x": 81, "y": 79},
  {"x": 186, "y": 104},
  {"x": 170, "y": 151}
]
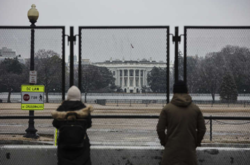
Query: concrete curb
[{"x": 120, "y": 155}]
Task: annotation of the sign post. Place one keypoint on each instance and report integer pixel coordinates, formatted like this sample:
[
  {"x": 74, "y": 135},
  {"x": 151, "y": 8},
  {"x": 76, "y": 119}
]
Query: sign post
[{"x": 33, "y": 77}]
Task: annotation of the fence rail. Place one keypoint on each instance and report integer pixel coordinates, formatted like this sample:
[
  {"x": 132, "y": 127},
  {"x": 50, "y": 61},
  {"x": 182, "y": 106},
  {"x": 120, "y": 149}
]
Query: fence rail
[
  {"x": 129, "y": 116},
  {"x": 210, "y": 118}
]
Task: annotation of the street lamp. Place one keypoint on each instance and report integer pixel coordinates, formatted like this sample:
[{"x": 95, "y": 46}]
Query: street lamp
[{"x": 33, "y": 15}]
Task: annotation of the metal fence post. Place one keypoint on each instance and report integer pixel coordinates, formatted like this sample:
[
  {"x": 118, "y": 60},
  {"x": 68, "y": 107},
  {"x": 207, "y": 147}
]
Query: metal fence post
[
  {"x": 176, "y": 40},
  {"x": 63, "y": 64},
  {"x": 211, "y": 128},
  {"x": 71, "y": 39}
]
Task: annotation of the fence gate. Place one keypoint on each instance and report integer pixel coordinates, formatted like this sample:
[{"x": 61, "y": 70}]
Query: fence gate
[
  {"x": 217, "y": 71},
  {"x": 131, "y": 54},
  {"x": 49, "y": 59}
]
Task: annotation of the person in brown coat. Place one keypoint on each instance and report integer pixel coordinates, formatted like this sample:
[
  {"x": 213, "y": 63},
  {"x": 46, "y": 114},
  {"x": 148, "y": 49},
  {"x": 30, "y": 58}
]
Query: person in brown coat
[{"x": 185, "y": 127}]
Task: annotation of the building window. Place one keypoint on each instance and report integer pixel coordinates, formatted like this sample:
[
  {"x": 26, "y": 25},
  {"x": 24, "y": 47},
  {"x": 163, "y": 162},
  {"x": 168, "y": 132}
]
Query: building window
[{"x": 113, "y": 73}]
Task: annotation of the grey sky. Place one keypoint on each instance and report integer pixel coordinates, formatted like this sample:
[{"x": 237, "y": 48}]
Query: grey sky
[{"x": 130, "y": 12}]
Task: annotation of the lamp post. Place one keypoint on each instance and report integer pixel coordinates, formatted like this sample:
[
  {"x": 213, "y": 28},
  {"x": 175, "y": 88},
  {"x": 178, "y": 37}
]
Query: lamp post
[{"x": 33, "y": 15}]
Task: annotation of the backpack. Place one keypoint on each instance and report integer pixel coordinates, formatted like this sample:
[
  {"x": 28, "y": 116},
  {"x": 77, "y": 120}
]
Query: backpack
[{"x": 72, "y": 134}]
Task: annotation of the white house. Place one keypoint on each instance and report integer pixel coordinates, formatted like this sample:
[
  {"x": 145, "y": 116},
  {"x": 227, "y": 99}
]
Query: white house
[{"x": 131, "y": 75}]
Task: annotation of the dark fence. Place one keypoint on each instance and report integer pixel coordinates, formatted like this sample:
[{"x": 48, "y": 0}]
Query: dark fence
[
  {"x": 49, "y": 58},
  {"x": 216, "y": 61},
  {"x": 127, "y": 129},
  {"x": 129, "y": 53}
]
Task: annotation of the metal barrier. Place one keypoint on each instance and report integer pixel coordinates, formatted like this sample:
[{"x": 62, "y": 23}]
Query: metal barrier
[
  {"x": 120, "y": 155},
  {"x": 211, "y": 119}
]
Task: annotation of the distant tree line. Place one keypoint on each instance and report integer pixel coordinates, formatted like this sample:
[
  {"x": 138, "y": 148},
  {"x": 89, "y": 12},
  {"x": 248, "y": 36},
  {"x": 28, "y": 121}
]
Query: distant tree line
[
  {"x": 226, "y": 72},
  {"x": 97, "y": 79},
  {"x": 48, "y": 65}
]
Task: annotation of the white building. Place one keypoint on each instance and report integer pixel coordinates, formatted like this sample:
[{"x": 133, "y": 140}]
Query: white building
[
  {"x": 9, "y": 53},
  {"x": 131, "y": 76}
]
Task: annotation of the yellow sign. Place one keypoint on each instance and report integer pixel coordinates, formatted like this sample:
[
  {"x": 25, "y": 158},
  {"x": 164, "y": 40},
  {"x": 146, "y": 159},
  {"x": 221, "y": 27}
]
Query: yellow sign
[
  {"x": 55, "y": 136},
  {"x": 32, "y": 106},
  {"x": 32, "y": 88}
]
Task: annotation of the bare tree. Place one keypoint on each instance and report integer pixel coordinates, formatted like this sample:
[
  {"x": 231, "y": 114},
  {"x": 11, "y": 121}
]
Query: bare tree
[
  {"x": 48, "y": 65},
  {"x": 11, "y": 76},
  {"x": 96, "y": 78},
  {"x": 211, "y": 72}
]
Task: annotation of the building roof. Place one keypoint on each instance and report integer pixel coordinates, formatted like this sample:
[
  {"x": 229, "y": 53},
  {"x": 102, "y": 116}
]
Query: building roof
[{"x": 130, "y": 61}]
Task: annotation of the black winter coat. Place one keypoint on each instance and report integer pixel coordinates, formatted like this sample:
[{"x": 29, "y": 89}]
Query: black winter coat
[{"x": 76, "y": 156}]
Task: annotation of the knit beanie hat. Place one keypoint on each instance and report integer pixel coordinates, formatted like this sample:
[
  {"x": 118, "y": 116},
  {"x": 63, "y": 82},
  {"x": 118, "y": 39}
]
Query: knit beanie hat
[
  {"x": 180, "y": 87},
  {"x": 74, "y": 94}
]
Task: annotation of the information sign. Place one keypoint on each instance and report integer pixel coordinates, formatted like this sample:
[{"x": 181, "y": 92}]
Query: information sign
[
  {"x": 32, "y": 97},
  {"x": 32, "y": 106},
  {"x": 33, "y": 77},
  {"x": 32, "y": 88}
]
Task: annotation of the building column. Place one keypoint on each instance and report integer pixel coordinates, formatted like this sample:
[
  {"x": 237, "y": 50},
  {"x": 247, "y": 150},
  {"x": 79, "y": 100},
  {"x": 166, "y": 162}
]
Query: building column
[
  {"x": 123, "y": 78},
  {"x": 128, "y": 78},
  {"x": 139, "y": 82},
  {"x": 118, "y": 77},
  {"x": 134, "y": 84},
  {"x": 143, "y": 77}
]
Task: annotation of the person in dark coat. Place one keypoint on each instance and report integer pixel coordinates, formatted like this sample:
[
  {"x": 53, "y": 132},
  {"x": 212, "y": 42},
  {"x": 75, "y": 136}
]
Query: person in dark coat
[
  {"x": 185, "y": 127},
  {"x": 63, "y": 115}
]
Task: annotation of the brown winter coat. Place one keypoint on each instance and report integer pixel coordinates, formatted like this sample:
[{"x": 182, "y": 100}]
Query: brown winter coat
[{"x": 185, "y": 130}]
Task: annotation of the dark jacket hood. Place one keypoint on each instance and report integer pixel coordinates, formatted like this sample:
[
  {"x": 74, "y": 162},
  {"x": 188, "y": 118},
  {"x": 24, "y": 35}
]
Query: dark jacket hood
[{"x": 181, "y": 100}]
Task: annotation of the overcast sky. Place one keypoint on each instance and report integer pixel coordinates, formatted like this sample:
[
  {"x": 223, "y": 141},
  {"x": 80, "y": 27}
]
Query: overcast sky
[{"x": 127, "y": 12}]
